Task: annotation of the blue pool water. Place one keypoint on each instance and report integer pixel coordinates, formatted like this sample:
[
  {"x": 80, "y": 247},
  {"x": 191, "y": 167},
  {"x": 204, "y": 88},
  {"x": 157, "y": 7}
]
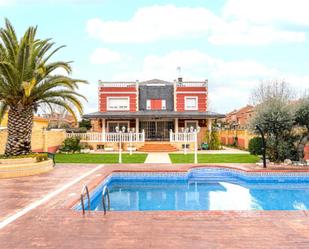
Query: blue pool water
[{"x": 204, "y": 189}]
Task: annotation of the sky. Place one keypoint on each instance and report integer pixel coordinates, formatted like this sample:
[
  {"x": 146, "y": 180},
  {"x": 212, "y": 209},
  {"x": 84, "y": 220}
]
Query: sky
[{"x": 235, "y": 44}]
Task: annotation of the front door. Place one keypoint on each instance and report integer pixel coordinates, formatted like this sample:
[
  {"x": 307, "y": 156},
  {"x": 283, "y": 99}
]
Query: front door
[{"x": 156, "y": 130}]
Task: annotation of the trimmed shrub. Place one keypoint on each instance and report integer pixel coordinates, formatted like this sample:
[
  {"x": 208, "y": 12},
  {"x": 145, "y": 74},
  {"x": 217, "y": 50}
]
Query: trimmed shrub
[
  {"x": 255, "y": 146},
  {"x": 214, "y": 143},
  {"x": 71, "y": 144}
]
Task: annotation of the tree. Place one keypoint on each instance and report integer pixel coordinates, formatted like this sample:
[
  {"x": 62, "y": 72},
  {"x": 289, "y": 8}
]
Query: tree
[
  {"x": 28, "y": 80},
  {"x": 276, "y": 119},
  {"x": 268, "y": 90},
  {"x": 85, "y": 123},
  {"x": 302, "y": 120}
]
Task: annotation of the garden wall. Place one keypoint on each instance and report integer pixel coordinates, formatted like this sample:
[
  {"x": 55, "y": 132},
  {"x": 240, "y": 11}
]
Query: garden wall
[
  {"x": 228, "y": 137},
  {"x": 42, "y": 140}
]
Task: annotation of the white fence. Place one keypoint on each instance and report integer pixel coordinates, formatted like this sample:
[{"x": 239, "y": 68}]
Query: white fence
[
  {"x": 109, "y": 137},
  {"x": 183, "y": 137}
]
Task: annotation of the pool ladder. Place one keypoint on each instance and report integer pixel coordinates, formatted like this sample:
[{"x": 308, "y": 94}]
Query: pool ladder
[{"x": 105, "y": 192}]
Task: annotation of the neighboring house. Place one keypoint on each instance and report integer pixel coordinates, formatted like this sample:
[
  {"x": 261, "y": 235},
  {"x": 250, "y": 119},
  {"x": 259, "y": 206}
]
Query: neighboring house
[
  {"x": 154, "y": 107},
  {"x": 60, "y": 120},
  {"x": 38, "y": 122},
  {"x": 240, "y": 118}
]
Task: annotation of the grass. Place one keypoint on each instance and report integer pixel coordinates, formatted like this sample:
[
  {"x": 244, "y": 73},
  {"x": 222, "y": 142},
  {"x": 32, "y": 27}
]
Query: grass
[
  {"x": 214, "y": 158},
  {"x": 99, "y": 158}
]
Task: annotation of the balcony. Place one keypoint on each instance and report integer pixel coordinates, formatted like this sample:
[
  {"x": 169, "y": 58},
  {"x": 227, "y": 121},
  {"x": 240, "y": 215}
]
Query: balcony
[{"x": 119, "y": 84}]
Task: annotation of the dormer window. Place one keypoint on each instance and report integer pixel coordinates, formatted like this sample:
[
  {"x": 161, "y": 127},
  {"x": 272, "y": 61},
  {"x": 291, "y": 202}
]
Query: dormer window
[
  {"x": 191, "y": 103},
  {"x": 156, "y": 104}
]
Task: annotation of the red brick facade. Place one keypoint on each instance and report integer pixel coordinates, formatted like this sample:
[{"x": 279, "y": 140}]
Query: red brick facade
[
  {"x": 105, "y": 92},
  {"x": 182, "y": 92}
]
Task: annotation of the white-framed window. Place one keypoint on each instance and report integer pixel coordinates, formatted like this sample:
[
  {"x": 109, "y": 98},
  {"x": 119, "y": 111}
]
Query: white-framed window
[
  {"x": 118, "y": 103},
  {"x": 191, "y": 123},
  {"x": 191, "y": 103},
  {"x": 111, "y": 125}
]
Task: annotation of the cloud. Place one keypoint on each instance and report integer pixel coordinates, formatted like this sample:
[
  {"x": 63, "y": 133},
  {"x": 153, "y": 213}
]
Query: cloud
[
  {"x": 104, "y": 56},
  {"x": 230, "y": 81},
  {"x": 154, "y": 23},
  {"x": 266, "y": 12}
]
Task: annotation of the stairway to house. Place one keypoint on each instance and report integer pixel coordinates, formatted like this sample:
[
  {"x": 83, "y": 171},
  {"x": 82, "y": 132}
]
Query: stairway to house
[{"x": 157, "y": 147}]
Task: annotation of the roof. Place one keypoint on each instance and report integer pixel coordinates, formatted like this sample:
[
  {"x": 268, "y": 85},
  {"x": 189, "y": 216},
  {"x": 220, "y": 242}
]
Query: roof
[
  {"x": 155, "y": 81},
  {"x": 153, "y": 114}
]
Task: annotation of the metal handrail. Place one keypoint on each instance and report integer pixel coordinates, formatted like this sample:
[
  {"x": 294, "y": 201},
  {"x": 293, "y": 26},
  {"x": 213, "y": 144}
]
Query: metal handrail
[
  {"x": 82, "y": 194},
  {"x": 105, "y": 190}
]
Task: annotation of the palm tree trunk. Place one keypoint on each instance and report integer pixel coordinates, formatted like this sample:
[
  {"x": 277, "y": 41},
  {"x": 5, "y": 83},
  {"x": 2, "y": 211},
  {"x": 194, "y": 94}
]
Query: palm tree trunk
[{"x": 19, "y": 131}]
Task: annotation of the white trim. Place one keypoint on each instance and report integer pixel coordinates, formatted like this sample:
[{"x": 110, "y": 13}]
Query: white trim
[
  {"x": 119, "y": 93},
  {"x": 191, "y": 109},
  {"x": 163, "y": 104},
  {"x": 47, "y": 197},
  {"x": 155, "y": 84},
  {"x": 191, "y": 92},
  {"x": 115, "y": 97},
  {"x": 116, "y": 122},
  {"x": 191, "y": 121}
]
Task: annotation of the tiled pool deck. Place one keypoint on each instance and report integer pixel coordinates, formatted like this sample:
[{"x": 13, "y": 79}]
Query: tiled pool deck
[{"x": 54, "y": 225}]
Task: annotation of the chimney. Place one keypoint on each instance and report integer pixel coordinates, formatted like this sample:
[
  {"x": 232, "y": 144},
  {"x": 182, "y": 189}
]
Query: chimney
[{"x": 180, "y": 79}]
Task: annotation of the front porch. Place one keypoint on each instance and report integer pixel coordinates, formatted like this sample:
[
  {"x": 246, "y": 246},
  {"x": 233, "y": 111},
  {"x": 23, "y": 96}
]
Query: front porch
[{"x": 138, "y": 128}]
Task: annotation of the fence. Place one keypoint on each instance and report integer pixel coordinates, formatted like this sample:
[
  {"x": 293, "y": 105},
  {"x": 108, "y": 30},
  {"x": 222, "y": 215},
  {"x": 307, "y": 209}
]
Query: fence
[
  {"x": 109, "y": 137},
  {"x": 183, "y": 137}
]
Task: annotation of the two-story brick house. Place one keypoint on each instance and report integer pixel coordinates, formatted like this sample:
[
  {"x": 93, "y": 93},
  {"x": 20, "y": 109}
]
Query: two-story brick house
[{"x": 154, "y": 107}]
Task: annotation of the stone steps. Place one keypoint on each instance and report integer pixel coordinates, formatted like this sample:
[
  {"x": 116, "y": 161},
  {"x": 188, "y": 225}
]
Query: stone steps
[{"x": 157, "y": 147}]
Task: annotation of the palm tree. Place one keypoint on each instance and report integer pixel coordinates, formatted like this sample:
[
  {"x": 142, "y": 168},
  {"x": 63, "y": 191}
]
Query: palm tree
[{"x": 27, "y": 80}]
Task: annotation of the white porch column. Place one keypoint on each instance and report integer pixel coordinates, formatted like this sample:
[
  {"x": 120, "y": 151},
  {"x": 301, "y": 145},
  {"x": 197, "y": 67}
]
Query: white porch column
[
  {"x": 209, "y": 125},
  {"x": 137, "y": 125},
  {"x": 176, "y": 125},
  {"x": 103, "y": 130}
]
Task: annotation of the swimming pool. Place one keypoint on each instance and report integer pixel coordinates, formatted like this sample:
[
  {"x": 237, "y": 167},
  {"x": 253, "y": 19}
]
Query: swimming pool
[{"x": 204, "y": 189}]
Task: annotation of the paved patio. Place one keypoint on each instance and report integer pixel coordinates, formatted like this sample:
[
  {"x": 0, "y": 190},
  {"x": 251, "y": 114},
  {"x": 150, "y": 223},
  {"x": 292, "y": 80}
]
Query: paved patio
[{"x": 54, "y": 225}]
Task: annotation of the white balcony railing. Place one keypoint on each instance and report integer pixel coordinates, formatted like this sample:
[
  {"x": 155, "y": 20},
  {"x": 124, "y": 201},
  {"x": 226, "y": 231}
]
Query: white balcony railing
[
  {"x": 117, "y": 84},
  {"x": 193, "y": 84},
  {"x": 109, "y": 137},
  {"x": 183, "y": 137}
]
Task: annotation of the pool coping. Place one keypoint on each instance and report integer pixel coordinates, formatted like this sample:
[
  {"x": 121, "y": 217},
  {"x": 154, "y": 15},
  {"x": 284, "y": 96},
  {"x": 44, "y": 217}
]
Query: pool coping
[{"x": 96, "y": 182}]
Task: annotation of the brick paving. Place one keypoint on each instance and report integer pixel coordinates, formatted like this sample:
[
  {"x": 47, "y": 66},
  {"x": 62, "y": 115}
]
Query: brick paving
[{"x": 55, "y": 225}]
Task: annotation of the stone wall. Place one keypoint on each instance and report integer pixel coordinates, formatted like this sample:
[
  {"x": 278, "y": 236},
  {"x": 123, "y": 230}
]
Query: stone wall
[{"x": 42, "y": 140}]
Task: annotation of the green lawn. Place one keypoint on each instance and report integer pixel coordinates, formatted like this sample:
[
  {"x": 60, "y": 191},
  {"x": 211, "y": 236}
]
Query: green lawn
[
  {"x": 214, "y": 158},
  {"x": 99, "y": 158}
]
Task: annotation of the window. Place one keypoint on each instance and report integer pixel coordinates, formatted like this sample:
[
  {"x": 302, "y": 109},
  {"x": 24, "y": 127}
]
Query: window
[
  {"x": 111, "y": 125},
  {"x": 191, "y": 123},
  {"x": 191, "y": 103},
  {"x": 156, "y": 104},
  {"x": 118, "y": 103}
]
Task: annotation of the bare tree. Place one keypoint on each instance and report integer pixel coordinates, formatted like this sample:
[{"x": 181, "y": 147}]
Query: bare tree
[{"x": 274, "y": 89}]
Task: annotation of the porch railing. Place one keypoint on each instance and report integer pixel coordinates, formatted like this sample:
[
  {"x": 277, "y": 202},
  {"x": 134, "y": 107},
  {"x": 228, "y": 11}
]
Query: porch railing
[
  {"x": 183, "y": 137},
  {"x": 109, "y": 137}
]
